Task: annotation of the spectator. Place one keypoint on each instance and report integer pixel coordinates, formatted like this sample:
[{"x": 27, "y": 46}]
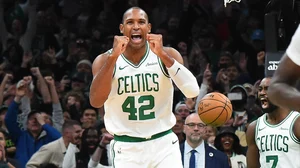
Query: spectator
[
  {"x": 97, "y": 155},
  {"x": 89, "y": 117},
  {"x": 10, "y": 146},
  {"x": 53, "y": 152},
  {"x": 4, "y": 156},
  {"x": 228, "y": 142},
  {"x": 178, "y": 128},
  {"x": 38, "y": 133},
  {"x": 182, "y": 109}
]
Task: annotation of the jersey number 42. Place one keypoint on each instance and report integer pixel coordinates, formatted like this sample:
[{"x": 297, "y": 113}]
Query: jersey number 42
[{"x": 135, "y": 113}]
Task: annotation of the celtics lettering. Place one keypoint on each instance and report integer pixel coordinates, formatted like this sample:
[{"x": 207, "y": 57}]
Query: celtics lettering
[
  {"x": 144, "y": 82},
  {"x": 273, "y": 142}
]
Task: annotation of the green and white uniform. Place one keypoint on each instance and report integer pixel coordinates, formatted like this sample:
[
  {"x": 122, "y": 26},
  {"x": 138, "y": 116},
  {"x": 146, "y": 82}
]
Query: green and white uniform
[
  {"x": 138, "y": 112},
  {"x": 145, "y": 93},
  {"x": 277, "y": 144}
]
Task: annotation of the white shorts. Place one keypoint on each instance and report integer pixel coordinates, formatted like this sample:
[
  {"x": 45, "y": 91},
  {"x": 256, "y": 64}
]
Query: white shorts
[{"x": 162, "y": 152}]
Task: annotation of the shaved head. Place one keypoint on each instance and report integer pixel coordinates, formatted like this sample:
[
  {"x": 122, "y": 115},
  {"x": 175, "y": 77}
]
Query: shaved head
[{"x": 134, "y": 8}]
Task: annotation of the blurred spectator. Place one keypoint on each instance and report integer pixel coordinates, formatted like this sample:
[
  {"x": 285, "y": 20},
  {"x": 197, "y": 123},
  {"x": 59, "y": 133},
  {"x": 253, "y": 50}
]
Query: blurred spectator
[
  {"x": 4, "y": 155},
  {"x": 238, "y": 96},
  {"x": 209, "y": 131},
  {"x": 38, "y": 133},
  {"x": 97, "y": 155},
  {"x": 10, "y": 147},
  {"x": 89, "y": 117},
  {"x": 182, "y": 109},
  {"x": 53, "y": 152},
  {"x": 211, "y": 140},
  {"x": 178, "y": 128},
  {"x": 18, "y": 31}
]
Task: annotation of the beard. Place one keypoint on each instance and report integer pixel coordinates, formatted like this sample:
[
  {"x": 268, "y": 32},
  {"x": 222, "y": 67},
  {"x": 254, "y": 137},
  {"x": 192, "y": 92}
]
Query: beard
[
  {"x": 195, "y": 139},
  {"x": 272, "y": 107}
]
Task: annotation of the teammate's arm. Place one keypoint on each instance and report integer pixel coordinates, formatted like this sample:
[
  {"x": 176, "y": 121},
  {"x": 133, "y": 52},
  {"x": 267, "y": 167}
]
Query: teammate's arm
[
  {"x": 252, "y": 152},
  {"x": 282, "y": 91},
  {"x": 103, "y": 68}
]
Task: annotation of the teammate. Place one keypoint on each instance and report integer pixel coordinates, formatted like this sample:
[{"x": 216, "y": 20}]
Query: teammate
[
  {"x": 286, "y": 77},
  {"x": 274, "y": 138},
  {"x": 133, "y": 81}
]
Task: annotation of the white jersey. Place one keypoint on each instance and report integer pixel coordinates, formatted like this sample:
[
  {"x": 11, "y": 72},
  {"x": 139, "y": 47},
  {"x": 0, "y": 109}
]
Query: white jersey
[
  {"x": 141, "y": 98},
  {"x": 277, "y": 144}
]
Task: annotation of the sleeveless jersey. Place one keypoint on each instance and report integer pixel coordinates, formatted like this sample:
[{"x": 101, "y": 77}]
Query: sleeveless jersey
[
  {"x": 277, "y": 144},
  {"x": 141, "y": 98}
]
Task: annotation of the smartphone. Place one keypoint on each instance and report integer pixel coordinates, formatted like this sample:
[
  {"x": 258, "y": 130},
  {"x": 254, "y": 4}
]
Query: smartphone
[{"x": 235, "y": 96}]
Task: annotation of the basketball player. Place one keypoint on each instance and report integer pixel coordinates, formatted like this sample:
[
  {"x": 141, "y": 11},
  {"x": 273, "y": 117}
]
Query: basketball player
[
  {"x": 286, "y": 77},
  {"x": 274, "y": 138},
  {"x": 133, "y": 81}
]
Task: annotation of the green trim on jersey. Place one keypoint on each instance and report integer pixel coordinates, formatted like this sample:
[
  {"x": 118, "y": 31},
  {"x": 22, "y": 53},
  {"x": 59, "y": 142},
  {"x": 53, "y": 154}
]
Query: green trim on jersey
[
  {"x": 256, "y": 128},
  {"x": 113, "y": 153},
  {"x": 163, "y": 68},
  {"x": 143, "y": 59},
  {"x": 293, "y": 136},
  {"x": 276, "y": 125}
]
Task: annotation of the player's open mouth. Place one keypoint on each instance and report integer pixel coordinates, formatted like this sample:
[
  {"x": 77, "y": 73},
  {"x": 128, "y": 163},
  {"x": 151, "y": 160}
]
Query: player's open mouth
[
  {"x": 264, "y": 102},
  {"x": 136, "y": 38}
]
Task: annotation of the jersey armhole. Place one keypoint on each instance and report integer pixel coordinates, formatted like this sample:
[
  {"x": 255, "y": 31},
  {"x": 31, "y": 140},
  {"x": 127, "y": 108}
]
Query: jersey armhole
[
  {"x": 163, "y": 68},
  {"x": 293, "y": 136}
]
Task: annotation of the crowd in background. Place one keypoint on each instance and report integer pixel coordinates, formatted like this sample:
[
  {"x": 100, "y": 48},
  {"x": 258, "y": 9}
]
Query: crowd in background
[{"x": 48, "y": 46}]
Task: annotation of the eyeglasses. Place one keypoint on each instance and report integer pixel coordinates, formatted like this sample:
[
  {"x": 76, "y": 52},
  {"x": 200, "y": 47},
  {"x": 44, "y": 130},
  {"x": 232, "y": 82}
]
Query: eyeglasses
[
  {"x": 183, "y": 110},
  {"x": 193, "y": 125}
]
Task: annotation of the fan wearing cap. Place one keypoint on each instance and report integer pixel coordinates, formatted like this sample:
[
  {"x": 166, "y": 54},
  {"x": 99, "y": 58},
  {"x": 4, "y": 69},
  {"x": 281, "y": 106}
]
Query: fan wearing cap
[
  {"x": 182, "y": 109},
  {"x": 38, "y": 133},
  {"x": 78, "y": 81},
  {"x": 228, "y": 142},
  {"x": 238, "y": 96}
]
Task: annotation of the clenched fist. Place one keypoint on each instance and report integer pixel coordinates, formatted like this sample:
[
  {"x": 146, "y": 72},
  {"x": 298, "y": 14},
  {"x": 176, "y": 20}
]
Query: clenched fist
[
  {"x": 119, "y": 45},
  {"x": 156, "y": 43}
]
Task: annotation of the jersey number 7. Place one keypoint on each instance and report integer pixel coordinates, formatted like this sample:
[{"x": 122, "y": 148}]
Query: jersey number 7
[{"x": 274, "y": 158}]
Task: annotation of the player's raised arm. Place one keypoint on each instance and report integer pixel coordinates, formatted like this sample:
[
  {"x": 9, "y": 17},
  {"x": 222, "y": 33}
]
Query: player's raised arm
[
  {"x": 282, "y": 91},
  {"x": 172, "y": 59},
  {"x": 103, "y": 68},
  {"x": 252, "y": 152}
]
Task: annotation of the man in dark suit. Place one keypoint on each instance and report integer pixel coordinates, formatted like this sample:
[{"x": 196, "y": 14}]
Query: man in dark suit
[{"x": 195, "y": 152}]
